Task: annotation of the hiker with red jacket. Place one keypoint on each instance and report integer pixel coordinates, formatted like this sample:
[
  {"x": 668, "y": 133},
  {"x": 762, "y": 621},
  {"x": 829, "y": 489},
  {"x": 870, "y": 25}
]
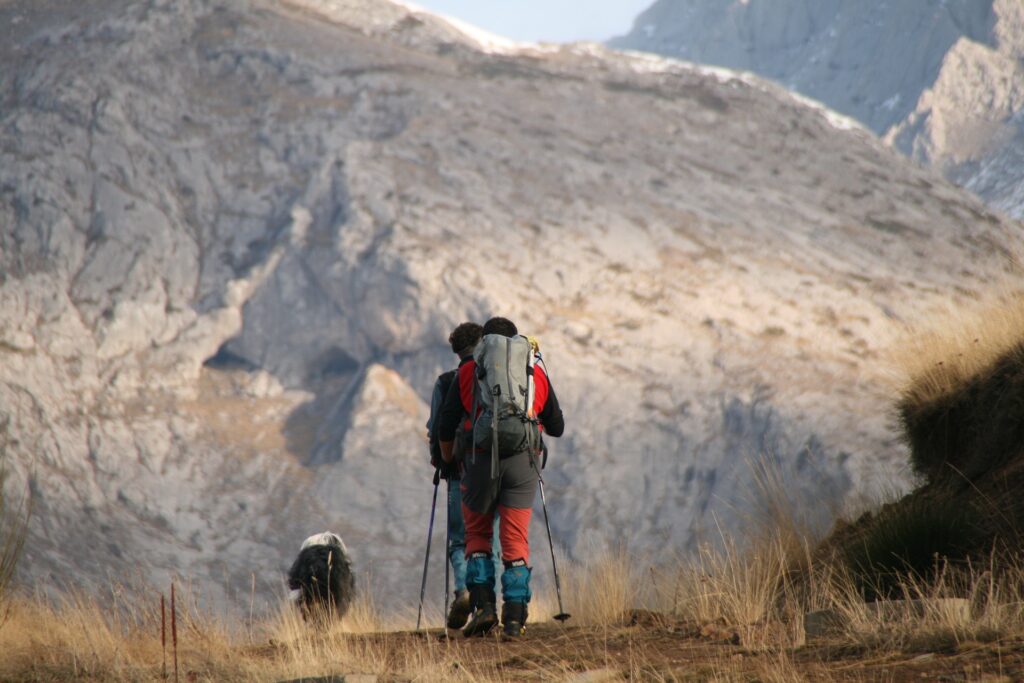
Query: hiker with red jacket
[
  {"x": 505, "y": 401},
  {"x": 463, "y": 341}
]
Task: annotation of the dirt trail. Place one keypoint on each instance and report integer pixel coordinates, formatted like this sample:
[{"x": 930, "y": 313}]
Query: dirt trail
[{"x": 663, "y": 650}]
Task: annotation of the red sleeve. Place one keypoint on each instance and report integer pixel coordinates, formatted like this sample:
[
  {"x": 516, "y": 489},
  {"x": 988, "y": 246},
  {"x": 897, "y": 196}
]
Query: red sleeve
[
  {"x": 467, "y": 382},
  {"x": 540, "y": 390}
]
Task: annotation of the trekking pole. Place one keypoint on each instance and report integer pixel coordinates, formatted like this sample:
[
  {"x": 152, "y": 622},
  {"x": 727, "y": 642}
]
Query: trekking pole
[
  {"x": 426, "y": 559},
  {"x": 562, "y": 615},
  {"x": 447, "y": 545}
]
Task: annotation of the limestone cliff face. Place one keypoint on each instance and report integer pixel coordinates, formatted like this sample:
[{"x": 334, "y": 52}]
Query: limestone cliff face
[
  {"x": 235, "y": 235},
  {"x": 969, "y": 123},
  {"x": 941, "y": 81},
  {"x": 870, "y": 61}
]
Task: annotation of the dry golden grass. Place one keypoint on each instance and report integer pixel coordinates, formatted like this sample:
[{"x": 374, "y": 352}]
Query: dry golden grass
[
  {"x": 734, "y": 587},
  {"x": 748, "y": 589},
  {"x": 943, "y": 614},
  {"x": 939, "y": 354},
  {"x": 596, "y": 593},
  {"x": 13, "y": 531},
  {"x": 77, "y": 637}
]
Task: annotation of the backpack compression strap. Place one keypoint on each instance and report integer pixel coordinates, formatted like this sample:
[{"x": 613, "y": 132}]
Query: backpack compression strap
[
  {"x": 531, "y": 361},
  {"x": 494, "y": 432}
]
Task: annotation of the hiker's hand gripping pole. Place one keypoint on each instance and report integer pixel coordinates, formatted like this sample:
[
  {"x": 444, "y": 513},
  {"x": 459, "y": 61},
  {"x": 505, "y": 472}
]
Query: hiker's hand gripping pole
[{"x": 447, "y": 447}]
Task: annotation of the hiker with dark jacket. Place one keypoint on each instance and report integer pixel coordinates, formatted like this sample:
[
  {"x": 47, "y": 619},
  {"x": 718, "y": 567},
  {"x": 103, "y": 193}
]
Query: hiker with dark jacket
[
  {"x": 507, "y": 486},
  {"x": 463, "y": 340}
]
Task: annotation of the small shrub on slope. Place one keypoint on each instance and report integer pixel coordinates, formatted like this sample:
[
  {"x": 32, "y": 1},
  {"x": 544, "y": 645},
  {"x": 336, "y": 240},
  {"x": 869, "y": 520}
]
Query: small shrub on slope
[
  {"x": 967, "y": 433},
  {"x": 909, "y": 540},
  {"x": 962, "y": 404}
]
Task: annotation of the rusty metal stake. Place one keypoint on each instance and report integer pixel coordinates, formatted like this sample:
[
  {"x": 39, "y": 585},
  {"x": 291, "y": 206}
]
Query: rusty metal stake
[
  {"x": 174, "y": 632},
  {"x": 163, "y": 633}
]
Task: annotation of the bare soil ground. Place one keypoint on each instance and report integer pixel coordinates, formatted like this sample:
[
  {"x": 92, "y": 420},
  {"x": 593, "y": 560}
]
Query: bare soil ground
[{"x": 660, "y": 649}]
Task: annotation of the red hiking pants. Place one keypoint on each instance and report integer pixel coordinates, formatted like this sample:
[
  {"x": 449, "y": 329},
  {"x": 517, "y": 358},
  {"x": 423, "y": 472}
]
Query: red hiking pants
[{"x": 513, "y": 530}]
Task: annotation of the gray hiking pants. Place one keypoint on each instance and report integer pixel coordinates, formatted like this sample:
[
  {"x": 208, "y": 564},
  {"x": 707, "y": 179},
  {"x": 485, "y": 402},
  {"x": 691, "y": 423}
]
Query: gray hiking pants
[{"x": 514, "y": 487}]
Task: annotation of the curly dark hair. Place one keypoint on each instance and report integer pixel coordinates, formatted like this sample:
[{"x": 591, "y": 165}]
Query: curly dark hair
[
  {"x": 464, "y": 337},
  {"x": 502, "y": 326}
]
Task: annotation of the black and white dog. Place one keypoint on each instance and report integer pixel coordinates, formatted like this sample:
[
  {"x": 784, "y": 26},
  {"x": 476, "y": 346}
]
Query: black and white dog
[{"x": 322, "y": 573}]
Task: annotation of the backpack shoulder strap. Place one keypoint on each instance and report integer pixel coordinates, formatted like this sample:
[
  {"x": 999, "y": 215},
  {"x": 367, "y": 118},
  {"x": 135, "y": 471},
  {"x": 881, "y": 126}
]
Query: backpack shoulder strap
[{"x": 472, "y": 416}]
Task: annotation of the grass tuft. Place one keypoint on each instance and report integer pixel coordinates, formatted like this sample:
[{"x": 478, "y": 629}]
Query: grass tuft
[
  {"x": 912, "y": 539},
  {"x": 941, "y": 353},
  {"x": 961, "y": 402},
  {"x": 13, "y": 532}
]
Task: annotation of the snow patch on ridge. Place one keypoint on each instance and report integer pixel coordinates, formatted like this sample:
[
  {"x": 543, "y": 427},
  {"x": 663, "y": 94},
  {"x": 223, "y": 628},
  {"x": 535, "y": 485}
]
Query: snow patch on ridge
[
  {"x": 646, "y": 62},
  {"x": 390, "y": 14},
  {"x": 488, "y": 42},
  {"x": 834, "y": 118}
]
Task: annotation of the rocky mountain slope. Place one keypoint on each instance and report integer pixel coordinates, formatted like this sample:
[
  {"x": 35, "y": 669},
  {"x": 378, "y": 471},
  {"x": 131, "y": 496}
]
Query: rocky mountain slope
[
  {"x": 234, "y": 236},
  {"x": 942, "y": 81}
]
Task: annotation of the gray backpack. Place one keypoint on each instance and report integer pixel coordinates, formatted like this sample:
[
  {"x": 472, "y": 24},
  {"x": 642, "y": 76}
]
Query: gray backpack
[{"x": 505, "y": 392}]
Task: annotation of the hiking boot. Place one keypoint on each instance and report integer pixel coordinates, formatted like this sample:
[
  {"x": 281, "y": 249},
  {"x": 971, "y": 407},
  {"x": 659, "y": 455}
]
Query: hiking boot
[
  {"x": 513, "y": 619},
  {"x": 459, "y": 613},
  {"x": 485, "y": 615},
  {"x": 484, "y": 619}
]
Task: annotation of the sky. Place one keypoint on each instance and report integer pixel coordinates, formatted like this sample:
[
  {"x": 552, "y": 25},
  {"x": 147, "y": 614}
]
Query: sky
[{"x": 555, "y": 21}]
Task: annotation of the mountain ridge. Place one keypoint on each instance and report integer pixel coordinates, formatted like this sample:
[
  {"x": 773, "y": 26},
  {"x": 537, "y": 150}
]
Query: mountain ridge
[{"x": 230, "y": 227}]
